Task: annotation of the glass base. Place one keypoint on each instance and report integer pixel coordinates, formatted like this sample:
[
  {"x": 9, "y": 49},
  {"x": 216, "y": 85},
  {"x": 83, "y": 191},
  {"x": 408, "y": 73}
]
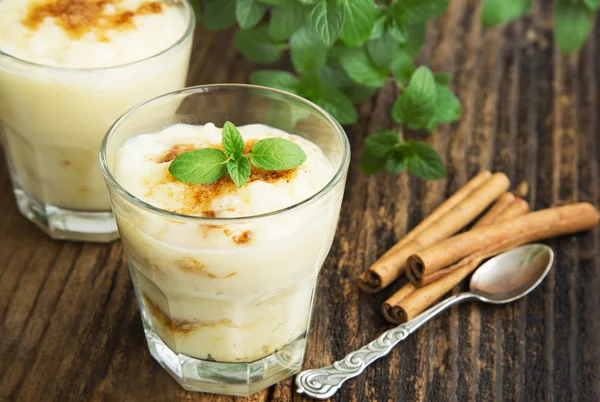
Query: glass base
[
  {"x": 66, "y": 224},
  {"x": 240, "y": 379}
]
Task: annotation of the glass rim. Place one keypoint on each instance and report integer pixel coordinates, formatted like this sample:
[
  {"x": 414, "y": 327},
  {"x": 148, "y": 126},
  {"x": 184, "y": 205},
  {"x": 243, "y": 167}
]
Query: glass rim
[
  {"x": 191, "y": 24},
  {"x": 114, "y": 184}
]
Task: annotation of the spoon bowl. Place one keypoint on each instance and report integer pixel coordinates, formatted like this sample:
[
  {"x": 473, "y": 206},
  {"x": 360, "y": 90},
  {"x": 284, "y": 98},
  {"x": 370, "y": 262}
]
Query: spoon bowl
[{"x": 511, "y": 275}]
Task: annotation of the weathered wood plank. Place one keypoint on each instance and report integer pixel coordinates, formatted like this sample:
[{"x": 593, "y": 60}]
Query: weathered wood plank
[{"x": 69, "y": 325}]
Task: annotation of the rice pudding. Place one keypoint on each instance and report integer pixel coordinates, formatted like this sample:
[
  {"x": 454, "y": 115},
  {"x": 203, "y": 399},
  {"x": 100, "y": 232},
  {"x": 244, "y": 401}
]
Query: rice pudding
[
  {"x": 228, "y": 292},
  {"x": 68, "y": 70}
]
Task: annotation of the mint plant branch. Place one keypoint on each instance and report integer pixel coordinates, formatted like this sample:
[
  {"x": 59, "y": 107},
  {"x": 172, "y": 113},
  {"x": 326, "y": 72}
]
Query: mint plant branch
[
  {"x": 207, "y": 165},
  {"x": 343, "y": 51}
]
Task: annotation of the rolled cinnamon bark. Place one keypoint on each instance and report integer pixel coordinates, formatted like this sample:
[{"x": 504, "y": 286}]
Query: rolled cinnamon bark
[
  {"x": 517, "y": 208},
  {"x": 371, "y": 280},
  {"x": 410, "y": 301},
  {"x": 537, "y": 225},
  {"x": 391, "y": 265},
  {"x": 445, "y": 207},
  {"x": 501, "y": 205}
]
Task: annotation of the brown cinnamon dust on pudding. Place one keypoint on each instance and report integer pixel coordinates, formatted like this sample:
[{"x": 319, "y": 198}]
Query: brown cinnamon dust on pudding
[
  {"x": 197, "y": 197},
  {"x": 79, "y": 17}
]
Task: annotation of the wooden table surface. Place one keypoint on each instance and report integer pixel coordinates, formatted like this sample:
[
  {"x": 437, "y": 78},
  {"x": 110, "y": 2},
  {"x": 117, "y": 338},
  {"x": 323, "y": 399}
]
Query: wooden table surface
[{"x": 70, "y": 328}]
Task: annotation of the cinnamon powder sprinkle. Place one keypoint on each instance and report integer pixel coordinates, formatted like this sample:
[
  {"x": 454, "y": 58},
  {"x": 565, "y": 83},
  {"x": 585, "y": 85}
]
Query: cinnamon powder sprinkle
[
  {"x": 197, "y": 197},
  {"x": 79, "y": 17},
  {"x": 174, "y": 152},
  {"x": 243, "y": 238}
]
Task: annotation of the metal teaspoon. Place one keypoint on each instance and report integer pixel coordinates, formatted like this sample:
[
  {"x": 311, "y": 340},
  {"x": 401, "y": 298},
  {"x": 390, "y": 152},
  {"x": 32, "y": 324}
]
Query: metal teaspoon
[{"x": 502, "y": 279}]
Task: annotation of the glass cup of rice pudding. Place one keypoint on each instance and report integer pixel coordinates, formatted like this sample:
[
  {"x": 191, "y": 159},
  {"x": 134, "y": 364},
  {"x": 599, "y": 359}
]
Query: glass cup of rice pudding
[
  {"x": 225, "y": 275},
  {"x": 68, "y": 70}
]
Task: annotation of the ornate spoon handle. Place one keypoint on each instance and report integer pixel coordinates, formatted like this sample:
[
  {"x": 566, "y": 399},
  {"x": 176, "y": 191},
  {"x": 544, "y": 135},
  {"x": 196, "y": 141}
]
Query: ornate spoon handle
[{"x": 323, "y": 383}]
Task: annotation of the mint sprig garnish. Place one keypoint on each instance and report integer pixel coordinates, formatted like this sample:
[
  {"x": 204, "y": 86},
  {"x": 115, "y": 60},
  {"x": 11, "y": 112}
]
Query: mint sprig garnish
[{"x": 207, "y": 165}]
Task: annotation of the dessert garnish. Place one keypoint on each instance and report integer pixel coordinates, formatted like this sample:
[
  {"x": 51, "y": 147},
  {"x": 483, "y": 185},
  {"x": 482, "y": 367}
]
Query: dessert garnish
[{"x": 207, "y": 165}]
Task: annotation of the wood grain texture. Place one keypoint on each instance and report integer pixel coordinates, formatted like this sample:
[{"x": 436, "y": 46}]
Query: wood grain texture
[{"x": 69, "y": 325}]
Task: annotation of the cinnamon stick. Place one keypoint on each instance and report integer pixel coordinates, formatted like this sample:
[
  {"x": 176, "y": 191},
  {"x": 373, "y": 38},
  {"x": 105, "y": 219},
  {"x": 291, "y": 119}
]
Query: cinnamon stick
[
  {"x": 411, "y": 301},
  {"x": 391, "y": 265},
  {"x": 518, "y": 207},
  {"x": 371, "y": 281},
  {"x": 496, "y": 210},
  {"x": 537, "y": 225},
  {"x": 445, "y": 207}
]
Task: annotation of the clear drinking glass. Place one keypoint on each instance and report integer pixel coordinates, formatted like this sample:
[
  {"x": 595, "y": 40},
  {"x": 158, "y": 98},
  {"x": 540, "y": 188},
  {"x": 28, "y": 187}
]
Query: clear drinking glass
[
  {"x": 53, "y": 120},
  {"x": 224, "y": 316}
]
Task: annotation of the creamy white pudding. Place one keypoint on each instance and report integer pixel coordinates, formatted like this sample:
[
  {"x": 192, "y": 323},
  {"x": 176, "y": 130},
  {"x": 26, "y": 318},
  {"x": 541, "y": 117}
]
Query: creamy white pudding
[
  {"x": 229, "y": 290},
  {"x": 68, "y": 70},
  {"x": 88, "y": 33}
]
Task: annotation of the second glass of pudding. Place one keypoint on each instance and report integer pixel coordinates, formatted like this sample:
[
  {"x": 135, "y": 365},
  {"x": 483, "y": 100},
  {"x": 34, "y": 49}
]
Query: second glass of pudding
[
  {"x": 225, "y": 277},
  {"x": 68, "y": 70}
]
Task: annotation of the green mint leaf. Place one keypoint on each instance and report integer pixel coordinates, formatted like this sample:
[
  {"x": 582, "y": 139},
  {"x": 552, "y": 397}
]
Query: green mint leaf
[
  {"x": 382, "y": 142},
  {"x": 359, "y": 19},
  {"x": 239, "y": 171},
  {"x": 396, "y": 161},
  {"x": 377, "y": 149},
  {"x": 310, "y": 86},
  {"x": 201, "y": 166},
  {"x": 497, "y": 12},
  {"x": 334, "y": 75},
  {"x": 219, "y": 14},
  {"x": 378, "y": 27},
  {"x": 275, "y": 79},
  {"x": 423, "y": 161},
  {"x": 307, "y": 51},
  {"x": 382, "y": 50},
  {"x": 415, "y": 38},
  {"x": 257, "y": 45},
  {"x": 233, "y": 143},
  {"x": 371, "y": 163},
  {"x": 338, "y": 105},
  {"x": 592, "y": 4},
  {"x": 416, "y": 105},
  {"x": 396, "y": 31},
  {"x": 273, "y": 2},
  {"x": 285, "y": 115},
  {"x": 359, "y": 67},
  {"x": 447, "y": 107},
  {"x": 286, "y": 19},
  {"x": 402, "y": 67},
  {"x": 572, "y": 24},
  {"x": 249, "y": 13},
  {"x": 358, "y": 93},
  {"x": 416, "y": 11},
  {"x": 326, "y": 18},
  {"x": 277, "y": 154},
  {"x": 443, "y": 78},
  {"x": 308, "y": 1}
]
